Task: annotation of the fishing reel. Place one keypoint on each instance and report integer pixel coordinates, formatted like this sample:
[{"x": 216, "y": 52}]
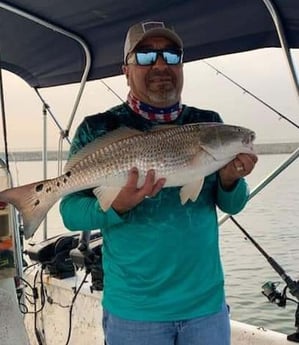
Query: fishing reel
[{"x": 269, "y": 289}]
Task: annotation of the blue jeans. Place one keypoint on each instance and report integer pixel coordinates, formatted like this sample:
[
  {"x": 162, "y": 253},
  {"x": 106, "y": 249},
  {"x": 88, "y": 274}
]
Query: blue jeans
[{"x": 210, "y": 330}]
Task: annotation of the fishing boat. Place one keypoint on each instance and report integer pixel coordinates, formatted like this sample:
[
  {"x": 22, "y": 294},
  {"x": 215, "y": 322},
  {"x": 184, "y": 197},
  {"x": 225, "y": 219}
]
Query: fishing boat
[{"x": 55, "y": 43}]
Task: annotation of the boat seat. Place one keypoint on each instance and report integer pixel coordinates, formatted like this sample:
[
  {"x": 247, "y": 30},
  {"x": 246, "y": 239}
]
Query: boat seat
[{"x": 12, "y": 328}]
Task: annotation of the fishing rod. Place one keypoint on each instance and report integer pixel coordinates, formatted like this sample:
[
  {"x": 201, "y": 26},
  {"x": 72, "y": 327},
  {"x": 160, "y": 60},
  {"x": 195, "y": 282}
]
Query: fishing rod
[
  {"x": 252, "y": 95},
  {"x": 269, "y": 288},
  {"x": 111, "y": 90}
]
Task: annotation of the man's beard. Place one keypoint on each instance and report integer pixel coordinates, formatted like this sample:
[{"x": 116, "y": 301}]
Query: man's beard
[
  {"x": 163, "y": 96},
  {"x": 165, "y": 92}
]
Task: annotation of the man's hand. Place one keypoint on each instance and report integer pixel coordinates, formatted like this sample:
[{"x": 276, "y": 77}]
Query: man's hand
[
  {"x": 130, "y": 195},
  {"x": 241, "y": 166}
]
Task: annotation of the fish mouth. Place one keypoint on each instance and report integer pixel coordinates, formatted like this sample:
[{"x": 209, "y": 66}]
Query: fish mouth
[
  {"x": 248, "y": 142},
  {"x": 249, "y": 139}
]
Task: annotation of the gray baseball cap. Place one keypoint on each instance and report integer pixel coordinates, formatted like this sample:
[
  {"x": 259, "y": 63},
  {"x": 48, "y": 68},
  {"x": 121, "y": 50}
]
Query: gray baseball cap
[{"x": 140, "y": 31}]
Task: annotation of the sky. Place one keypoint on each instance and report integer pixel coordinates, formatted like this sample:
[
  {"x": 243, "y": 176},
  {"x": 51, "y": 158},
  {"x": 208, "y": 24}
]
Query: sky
[{"x": 262, "y": 72}]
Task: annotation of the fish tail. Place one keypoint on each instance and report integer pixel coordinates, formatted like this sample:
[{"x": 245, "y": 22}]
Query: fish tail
[{"x": 32, "y": 206}]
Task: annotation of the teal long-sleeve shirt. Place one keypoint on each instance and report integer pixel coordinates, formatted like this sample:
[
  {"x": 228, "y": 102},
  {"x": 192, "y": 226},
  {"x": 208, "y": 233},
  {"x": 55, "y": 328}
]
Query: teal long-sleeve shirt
[{"x": 161, "y": 260}]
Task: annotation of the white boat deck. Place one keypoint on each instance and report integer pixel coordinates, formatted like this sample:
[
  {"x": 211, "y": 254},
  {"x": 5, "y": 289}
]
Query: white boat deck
[
  {"x": 87, "y": 315},
  {"x": 12, "y": 330}
]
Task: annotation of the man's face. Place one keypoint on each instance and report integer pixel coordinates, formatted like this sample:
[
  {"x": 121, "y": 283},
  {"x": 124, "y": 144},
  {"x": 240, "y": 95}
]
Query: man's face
[{"x": 159, "y": 85}]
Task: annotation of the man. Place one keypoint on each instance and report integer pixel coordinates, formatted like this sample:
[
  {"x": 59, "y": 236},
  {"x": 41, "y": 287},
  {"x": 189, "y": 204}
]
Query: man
[{"x": 163, "y": 282}]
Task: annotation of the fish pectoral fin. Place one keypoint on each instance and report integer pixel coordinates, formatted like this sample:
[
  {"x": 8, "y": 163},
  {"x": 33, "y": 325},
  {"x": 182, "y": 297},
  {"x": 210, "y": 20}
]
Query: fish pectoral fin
[
  {"x": 106, "y": 196},
  {"x": 191, "y": 191}
]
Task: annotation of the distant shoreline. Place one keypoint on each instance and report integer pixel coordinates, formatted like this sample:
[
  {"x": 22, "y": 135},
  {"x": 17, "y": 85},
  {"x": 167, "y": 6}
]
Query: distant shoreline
[{"x": 269, "y": 148}]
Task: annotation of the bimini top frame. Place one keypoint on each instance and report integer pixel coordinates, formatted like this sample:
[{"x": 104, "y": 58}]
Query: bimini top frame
[
  {"x": 36, "y": 46},
  {"x": 97, "y": 30},
  {"x": 70, "y": 35}
]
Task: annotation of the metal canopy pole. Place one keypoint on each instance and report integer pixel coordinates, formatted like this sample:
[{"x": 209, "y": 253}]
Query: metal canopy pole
[
  {"x": 267, "y": 180},
  {"x": 66, "y": 33},
  {"x": 283, "y": 41},
  {"x": 285, "y": 47},
  {"x": 87, "y": 54},
  {"x": 3, "y": 116}
]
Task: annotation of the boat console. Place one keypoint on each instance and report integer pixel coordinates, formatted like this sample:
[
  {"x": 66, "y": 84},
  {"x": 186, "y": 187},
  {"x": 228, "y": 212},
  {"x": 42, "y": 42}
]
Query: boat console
[{"x": 63, "y": 254}]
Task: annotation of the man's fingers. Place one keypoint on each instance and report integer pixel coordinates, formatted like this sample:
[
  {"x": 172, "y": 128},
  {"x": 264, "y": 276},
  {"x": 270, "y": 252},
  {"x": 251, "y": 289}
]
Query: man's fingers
[
  {"x": 248, "y": 161},
  {"x": 149, "y": 182},
  {"x": 158, "y": 186},
  {"x": 132, "y": 178},
  {"x": 247, "y": 158},
  {"x": 150, "y": 187},
  {"x": 244, "y": 163}
]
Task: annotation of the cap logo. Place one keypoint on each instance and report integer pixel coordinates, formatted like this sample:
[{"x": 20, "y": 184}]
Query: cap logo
[{"x": 152, "y": 25}]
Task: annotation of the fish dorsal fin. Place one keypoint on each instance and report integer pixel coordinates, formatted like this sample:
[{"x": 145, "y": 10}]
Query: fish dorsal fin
[{"x": 100, "y": 142}]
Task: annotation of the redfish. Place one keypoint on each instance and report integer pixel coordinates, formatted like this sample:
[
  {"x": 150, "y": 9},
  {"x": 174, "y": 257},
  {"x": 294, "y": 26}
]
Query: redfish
[{"x": 183, "y": 155}]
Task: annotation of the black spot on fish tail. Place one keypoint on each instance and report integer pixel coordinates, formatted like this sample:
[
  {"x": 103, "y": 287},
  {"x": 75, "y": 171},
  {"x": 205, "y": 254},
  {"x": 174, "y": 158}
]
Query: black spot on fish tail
[
  {"x": 39, "y": 187},
  {"x": 37, "y": 203},
  {"x": 58, "y": 184},
  {"x": 48, "y": 190},
  {"x": 66, "y": 176}
]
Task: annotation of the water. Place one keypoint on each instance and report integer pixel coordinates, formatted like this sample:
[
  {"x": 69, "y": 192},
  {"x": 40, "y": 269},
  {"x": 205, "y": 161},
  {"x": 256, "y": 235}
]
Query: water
[{"x": 270, "y": 218}]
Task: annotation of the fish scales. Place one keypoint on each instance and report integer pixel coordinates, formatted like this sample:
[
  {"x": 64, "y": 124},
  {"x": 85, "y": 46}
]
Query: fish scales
[
  {"x": 183, "y": 155},
  {"x": 163, "y": 152}
]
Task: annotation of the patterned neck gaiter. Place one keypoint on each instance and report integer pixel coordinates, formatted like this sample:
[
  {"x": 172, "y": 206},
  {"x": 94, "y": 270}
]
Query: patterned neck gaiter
[{"x": 152, "y": 113}]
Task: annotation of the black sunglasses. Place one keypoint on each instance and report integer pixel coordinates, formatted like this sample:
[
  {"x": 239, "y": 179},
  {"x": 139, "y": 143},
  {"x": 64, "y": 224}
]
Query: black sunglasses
[{"x": 148, "y": 57}]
